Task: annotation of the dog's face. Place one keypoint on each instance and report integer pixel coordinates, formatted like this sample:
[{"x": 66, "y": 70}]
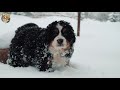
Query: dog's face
[
  {"x": 59, "y": 42},
  {"x": 61, "y": 35},
  {"x": 60, "y": 38}
]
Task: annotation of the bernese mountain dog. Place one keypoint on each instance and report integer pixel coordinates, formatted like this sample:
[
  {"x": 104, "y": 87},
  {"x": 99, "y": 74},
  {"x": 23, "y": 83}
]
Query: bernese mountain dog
[{"x": 45, "y": 48}]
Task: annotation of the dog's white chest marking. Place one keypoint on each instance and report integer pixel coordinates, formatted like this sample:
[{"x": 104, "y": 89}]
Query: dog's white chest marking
[{"x": 59, "y": 59}]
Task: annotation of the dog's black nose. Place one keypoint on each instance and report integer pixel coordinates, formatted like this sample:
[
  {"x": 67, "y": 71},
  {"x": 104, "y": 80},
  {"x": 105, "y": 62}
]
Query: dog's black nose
[{"x": 60, "y": 41}]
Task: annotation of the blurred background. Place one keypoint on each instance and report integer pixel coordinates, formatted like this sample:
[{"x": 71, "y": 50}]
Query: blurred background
[{"x": 100, "y": 16}]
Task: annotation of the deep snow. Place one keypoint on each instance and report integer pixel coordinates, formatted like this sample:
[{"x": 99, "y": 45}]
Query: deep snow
[{"x": 97, "y": 51}]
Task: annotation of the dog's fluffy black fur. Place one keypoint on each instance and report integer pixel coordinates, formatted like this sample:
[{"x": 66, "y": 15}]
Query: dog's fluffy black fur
[{"x": 30, "y": 45}]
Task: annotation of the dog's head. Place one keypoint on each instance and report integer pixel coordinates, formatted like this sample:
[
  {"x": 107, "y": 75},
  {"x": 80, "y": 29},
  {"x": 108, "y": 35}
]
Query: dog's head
[{"x": 60, "y": 35}]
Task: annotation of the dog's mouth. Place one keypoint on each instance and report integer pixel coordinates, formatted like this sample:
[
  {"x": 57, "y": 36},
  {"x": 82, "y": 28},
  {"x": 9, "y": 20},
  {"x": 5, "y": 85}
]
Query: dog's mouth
[{"x": 60, "y": 45}]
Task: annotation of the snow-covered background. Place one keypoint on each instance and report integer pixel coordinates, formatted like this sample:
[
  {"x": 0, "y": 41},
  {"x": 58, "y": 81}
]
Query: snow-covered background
[
  {"x": 97, "y": 50},
  {"x": 100, "y": 16}
]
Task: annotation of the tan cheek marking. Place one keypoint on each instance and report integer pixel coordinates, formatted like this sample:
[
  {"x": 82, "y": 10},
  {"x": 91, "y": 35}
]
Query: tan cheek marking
[
  {"x": 51, "y": 44},
  {"x": 67, "y": 47}
]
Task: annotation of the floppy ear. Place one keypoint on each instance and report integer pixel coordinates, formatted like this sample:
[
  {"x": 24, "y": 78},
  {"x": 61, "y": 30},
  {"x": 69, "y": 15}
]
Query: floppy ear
[
  {"x": 53, "y": 24},
  {"x": 72, "y": 34},
  {"x": 48, "y": 31},
  {"x": 73, "y": 39}
]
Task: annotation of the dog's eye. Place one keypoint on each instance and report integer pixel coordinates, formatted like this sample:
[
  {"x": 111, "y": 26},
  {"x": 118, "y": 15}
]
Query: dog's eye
[{"x": 64, "y": 30}]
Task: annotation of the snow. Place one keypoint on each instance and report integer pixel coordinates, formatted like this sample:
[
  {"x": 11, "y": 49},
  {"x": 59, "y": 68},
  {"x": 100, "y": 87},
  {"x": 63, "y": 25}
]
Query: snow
[{"x": 97, "y": 50}]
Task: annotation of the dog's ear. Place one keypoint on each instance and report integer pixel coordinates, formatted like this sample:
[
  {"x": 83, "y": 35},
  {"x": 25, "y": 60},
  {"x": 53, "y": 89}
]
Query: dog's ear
[
  {"x": 72, "y": 34},
  {"x": 53, "y": 24},
  {"x": 73, "y": 39}
]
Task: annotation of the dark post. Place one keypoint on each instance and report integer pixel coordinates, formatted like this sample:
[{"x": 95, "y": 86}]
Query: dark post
[
  {"x": 4, "y": 55},
  {"x": 78, "y": 31}
]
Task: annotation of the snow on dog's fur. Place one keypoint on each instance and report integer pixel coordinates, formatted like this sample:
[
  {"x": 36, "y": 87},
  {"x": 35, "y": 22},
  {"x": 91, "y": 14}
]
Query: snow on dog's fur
[{"x": 45, "y": 48}]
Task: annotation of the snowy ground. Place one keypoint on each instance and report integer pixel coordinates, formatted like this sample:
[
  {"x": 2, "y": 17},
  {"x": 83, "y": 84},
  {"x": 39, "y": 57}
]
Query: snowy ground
[{"x": 97, "y": 50}]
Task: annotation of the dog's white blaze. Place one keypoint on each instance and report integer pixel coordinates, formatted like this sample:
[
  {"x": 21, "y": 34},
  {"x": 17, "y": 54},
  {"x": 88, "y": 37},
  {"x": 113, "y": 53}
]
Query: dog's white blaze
[{"x": 59, "y": 27}]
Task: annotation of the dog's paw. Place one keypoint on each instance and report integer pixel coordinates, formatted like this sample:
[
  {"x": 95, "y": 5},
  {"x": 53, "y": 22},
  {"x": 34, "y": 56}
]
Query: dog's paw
[{"x": 50, "y": 70}]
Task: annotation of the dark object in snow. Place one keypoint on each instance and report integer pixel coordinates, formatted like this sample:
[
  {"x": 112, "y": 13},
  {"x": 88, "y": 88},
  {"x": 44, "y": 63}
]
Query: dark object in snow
[
  {"x": 44, "y": 48},
  {"x": 78, "y": 27},
  {"x": 4, "y": 55}
]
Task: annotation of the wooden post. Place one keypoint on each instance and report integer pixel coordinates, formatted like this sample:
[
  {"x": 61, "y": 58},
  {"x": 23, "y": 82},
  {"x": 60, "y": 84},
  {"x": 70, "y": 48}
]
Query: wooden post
[
  {"x": 78, "y": 28},
  {"x": 4, "y": 55}
]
